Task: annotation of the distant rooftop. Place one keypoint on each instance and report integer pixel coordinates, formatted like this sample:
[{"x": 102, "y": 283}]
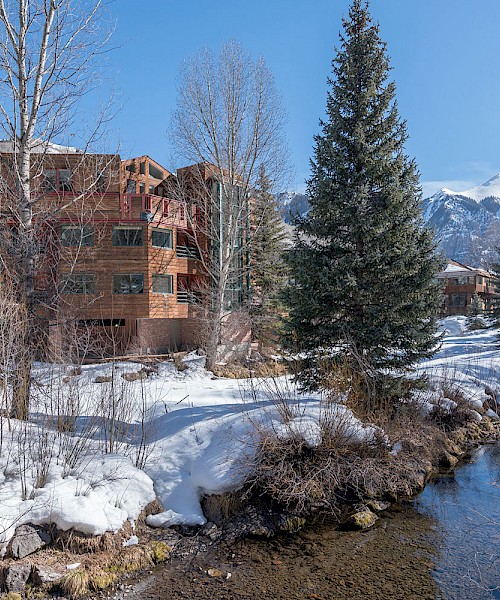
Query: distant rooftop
[{"x": 40, "y": 147}]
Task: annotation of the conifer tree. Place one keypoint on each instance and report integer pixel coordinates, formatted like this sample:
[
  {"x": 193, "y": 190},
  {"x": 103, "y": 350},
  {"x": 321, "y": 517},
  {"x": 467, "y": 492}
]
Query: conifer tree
[
  {"x": 268, "y": 266},
  {"x": 364, "y": 265}
]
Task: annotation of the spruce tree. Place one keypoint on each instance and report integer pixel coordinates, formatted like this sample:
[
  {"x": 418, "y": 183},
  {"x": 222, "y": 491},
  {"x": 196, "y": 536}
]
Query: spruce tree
[
  {"x": 364, "y": 265},
  {"x": 268, "y": 266}
]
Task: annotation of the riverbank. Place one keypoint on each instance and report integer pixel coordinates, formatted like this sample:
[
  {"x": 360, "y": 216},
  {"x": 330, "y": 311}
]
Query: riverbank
[
  {"x": 201, "y": 440},
  {"x": 410, "y": 553}
]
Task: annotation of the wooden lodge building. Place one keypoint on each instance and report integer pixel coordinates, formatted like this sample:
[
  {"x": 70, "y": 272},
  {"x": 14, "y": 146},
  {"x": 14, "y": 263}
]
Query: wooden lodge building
[
  {"x": 460, "y": 283},
  {"x": 121, "y": 260}
]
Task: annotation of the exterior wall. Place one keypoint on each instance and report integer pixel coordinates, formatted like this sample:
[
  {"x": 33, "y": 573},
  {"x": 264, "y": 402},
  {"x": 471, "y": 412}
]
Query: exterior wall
[
  {"x": 461, "y": 286},
  {"x": 97, "y": 197}
]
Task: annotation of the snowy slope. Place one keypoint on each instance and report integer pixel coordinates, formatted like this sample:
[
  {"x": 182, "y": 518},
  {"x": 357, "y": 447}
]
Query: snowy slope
[
  {"x": 467, "y": 223},
  {"x": 200, "y": 437}
]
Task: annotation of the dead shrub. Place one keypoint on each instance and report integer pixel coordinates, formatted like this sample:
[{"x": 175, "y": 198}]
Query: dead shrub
[
  {"x": 179, "y": 363},
  {"x": 257, "y": 369},
  {"x": 303, "y": 479}
]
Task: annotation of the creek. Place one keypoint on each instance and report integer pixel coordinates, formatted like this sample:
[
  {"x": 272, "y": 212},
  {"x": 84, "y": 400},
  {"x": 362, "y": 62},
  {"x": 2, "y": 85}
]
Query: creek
[{"x": 443, "y": 545}]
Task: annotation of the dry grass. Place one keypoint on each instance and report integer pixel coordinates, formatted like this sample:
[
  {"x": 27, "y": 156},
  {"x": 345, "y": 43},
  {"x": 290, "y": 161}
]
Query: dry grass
[
  {"x": 219, "y": 507},
  {"x": 251, "y": 370},
  {"x": 75, "y": 583},
  {"x": 81, "y": 543},
  {"x": 337, "y": 468}
]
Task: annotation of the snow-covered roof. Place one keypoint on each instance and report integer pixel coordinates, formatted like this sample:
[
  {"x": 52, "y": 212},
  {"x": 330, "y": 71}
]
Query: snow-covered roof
[
  {"x": 41, "y": 146},
  {"x": 455, "y": 269}
]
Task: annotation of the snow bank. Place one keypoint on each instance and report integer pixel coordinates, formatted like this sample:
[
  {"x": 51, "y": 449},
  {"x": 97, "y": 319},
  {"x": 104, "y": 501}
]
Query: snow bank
[
  {"x": 201, "y": 436},
  {"x": 100, "y": 495}
]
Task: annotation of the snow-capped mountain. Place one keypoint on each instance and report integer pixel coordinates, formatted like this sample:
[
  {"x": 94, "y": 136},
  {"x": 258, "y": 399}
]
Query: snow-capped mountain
[{"x": 467, "y": 223}]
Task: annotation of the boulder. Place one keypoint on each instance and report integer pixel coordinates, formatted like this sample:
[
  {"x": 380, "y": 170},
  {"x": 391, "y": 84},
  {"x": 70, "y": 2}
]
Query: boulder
[
  {"x": 16, "y": 576},
  {"x": 362, "y": 519},
  {"x": 28, "y": 539},
  {"x": 44, "y": 574}
]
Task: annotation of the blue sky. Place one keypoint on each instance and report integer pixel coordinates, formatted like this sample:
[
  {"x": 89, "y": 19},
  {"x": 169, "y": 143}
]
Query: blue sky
[{"x": 445, "y": 57}]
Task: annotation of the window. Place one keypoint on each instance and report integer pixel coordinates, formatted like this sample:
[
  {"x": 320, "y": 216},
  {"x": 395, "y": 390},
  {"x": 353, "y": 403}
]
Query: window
[
  {"x": 142, "y": 188},
  {"x": 127, "y": 236},
  {"x": 50, "y": 180},
  {"x": 100, "y": 184},
  {"x": 163, "y": 284},
  {"x": 151, "y": 189},
  {"x": 161, "y": 238},
  {"x": 480, "y": 280},
  {"x": 77, "y": 235},
  {"x": 78, "y": 283},
  {"x": 57, "y": 180},
  {"x": 130, "y": 168},
  {"x": 155, "y": 172},
  {"x": 65, "y": 184},
  {"x": 128, "y": 283},
  {"x": 142, "y": 168},
  {"x": 130, "y": 186},
  {"x": 457, "y": 300}
]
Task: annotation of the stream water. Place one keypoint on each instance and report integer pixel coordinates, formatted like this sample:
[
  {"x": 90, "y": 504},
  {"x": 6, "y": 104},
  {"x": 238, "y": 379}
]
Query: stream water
[
  {"x": 443, "y": 545},
  {"x": 465, "y": 508}
]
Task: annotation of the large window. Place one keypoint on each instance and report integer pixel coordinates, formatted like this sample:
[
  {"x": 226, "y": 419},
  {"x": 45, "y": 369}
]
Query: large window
[
  {"x": 57, "y": 180},
  {"x": 77, "y": 235},
  {"x": 161, "y": 238},
  {"x": 128, "y": 283},
  {"x": 124, "y": 235},
  {"x": 78, "y": 283},
  {"x": 457, "y": 300},
  {"x": 163, "y": 284}
]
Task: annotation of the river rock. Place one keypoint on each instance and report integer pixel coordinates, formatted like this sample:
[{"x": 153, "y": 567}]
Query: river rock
[
  {"x": 447, "y": 460},
  {"x": 492, "y": 415},
  {"x": 28, "y": 539},
  {"x": 42, "y": 574},
  {"x": 16, "y": 576},
  {"x": 362, "y": 519},
  {"x": 377, "y": 505}
]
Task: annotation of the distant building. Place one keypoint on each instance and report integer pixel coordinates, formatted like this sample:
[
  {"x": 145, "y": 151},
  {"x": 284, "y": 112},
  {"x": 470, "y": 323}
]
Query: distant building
[{"x": 460, "y": 283}]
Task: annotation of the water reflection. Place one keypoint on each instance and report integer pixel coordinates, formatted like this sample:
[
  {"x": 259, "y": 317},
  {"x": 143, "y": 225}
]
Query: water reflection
[{"x": 467, "y": 508}]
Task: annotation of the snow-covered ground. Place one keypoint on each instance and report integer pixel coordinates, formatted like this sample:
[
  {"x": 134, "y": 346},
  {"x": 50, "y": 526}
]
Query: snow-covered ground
[{"x": 175, "y": 435}]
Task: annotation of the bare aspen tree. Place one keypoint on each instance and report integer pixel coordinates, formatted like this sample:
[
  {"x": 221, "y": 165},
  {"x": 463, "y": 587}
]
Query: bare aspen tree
[
  {"x": 229, "y": 121},
  {"x": 48, "y": 52}
]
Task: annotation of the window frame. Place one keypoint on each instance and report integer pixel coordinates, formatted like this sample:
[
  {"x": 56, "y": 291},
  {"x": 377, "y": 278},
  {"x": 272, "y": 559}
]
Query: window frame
[
  {"x": 116, "y": 276},
  {"x": 83, "y": 235},
  {"x": 162, "y": 277},
  {"x": 168, "y": 232},
  {"x": 118, "y": 228},
  {"x": 59, "y": 185},
  {"x": 87, "y": 280}
]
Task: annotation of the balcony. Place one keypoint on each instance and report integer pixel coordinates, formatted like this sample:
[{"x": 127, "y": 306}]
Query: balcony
[
  {"x": 187, "y": 252},
  {"x": 157, "y": 209},
  {"x": 188, "y": 297}
]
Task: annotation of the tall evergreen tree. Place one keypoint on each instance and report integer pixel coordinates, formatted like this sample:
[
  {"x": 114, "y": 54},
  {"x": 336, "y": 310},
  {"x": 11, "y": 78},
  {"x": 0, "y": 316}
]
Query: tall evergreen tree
[
  {"x": 268, "y": 266},
  {"x": 363, "y": 266}
]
